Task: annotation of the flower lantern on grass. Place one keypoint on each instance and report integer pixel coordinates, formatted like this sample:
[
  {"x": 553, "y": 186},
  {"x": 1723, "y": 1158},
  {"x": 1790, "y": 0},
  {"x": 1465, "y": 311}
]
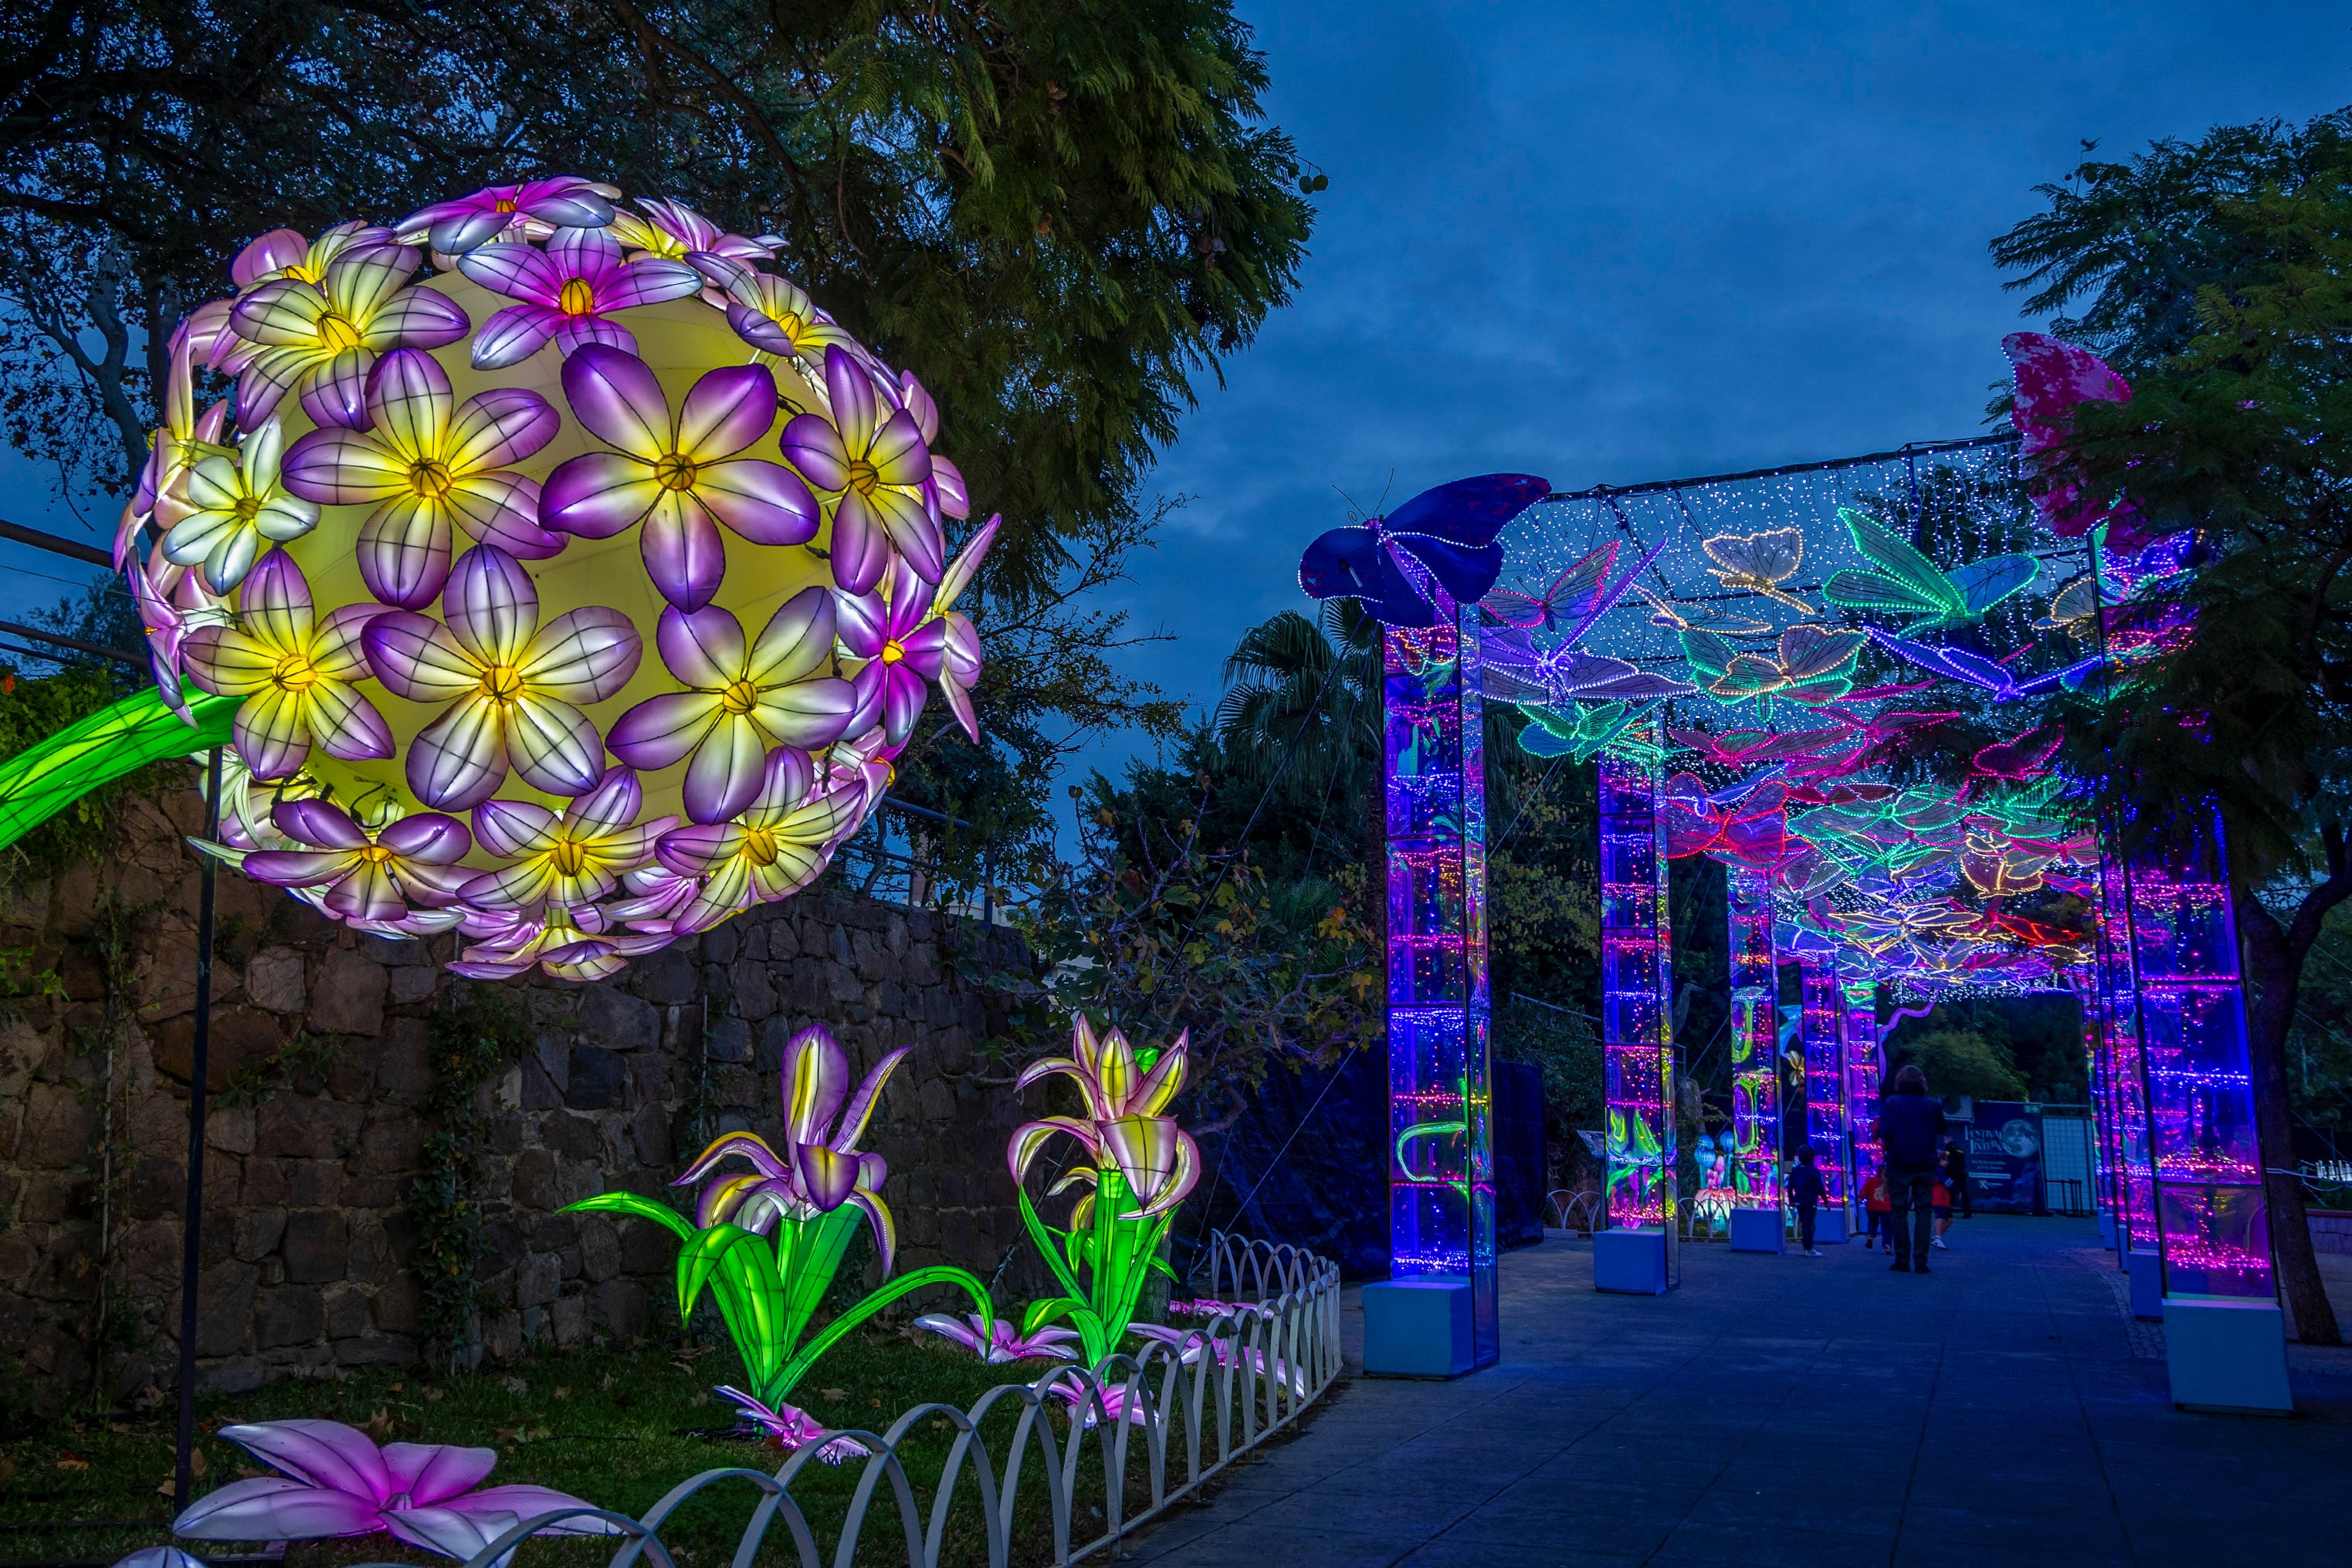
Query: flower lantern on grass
[
  {"x": 767, "y": 1242},
  {"x": 1141, "y": 1166},
  {"x": 572, "y": 528}
]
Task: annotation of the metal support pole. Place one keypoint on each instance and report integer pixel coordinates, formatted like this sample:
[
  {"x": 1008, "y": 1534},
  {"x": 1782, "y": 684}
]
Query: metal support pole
[{"x": 193, "y": 1229}]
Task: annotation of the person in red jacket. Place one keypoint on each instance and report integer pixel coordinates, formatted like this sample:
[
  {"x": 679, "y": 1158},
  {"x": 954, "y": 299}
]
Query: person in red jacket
[
  {"x": 1943, "y": 1212},
  {"x": 1873, "y": 1200}
]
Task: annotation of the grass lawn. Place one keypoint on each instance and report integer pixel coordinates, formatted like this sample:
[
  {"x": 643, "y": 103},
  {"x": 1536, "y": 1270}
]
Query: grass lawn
[{"x": 616, "y": 1426}]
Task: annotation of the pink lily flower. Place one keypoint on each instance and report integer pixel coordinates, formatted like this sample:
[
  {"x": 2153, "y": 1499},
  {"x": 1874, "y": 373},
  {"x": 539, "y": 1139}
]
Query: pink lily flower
[
  {"x": 872, "y": 466},
  {"x": 558, "y": 201},
  {"x": 1191, "y": 1343},
  {"x": 892, "y": 630},
  {"x": 793, "y": 1428},
  {"x": 1004, "y": 1343},
  {"x": 743, "y": 700},
  {"x": 364, "y": 875},
  {"x": 1115, "y": 1403},
  {"x": 511, "y": 685},
  {"x": 680, "y": 476},
  {"x": 563, "y": 293},
  {"x": 334, "y": 1482},
  {"x": 1124, "y": 1128}
]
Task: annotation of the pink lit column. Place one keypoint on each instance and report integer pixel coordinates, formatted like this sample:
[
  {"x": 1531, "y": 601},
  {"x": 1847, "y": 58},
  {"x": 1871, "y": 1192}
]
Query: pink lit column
[
  {"x": 1636, "y": 1254},
  {"x": 1858, "y": 980}
]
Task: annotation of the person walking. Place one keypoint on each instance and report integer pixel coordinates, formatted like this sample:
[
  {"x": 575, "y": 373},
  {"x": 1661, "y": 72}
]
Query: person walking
[
  {"x": 1956, "y": 1177},
  {"x": 1943, "y": 1210},
  {"x": 1910, "y": 1125},
  {"x": 1805, "y": 1188},
  {"x": 1873, "y": 1203}
]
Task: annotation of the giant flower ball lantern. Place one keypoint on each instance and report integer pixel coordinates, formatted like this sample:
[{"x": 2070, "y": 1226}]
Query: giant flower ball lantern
[{"x": 577, "y": 577}]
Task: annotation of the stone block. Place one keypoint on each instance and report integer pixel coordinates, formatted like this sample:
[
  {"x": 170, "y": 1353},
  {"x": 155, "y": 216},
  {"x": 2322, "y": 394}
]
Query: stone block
[
  {"x": 596, "y": 1076},
  {"x": 59, "y": 1130},
  {"x": 273, "y": 981},
  {"x": 346, "y": 1312},
  {"x": 256, "y": 1232},
  {"x": 375, "y": 1350},
  {"x": 755, "y": 990},
  {"x": 624, "y": 1307},
  {"x": 315, "y": 1184},
  {"x": 572, "y": 1137},
  {"x": 288, "y": 1314},
  {"x": 720, "y": 945},
  {"x": 600, "y": 1250},
  {"x": 411, "y": 986},
  {"x": 403, "y": 1060},
  {"x": 568, "y": 1320},
  {"x": 305, "y": 1127},
  {"x": 666, "y": 978},
  {"x": 650, "y": 1131},
  {"x": 398, "y": 1304},
  {"x": 347, "y": 993},
  {"x": 730, "y": 1040},
  {"x": 616, "y": 1020},
  {"x": 537, "y": 1278},
  {"x": 240, "y": 1375},
  {"x": 224, "y": 1308},
  {"x": 535, "y": 1184},
  {"x": 317, "y": 1245},
  {"x": 394, "y": 952}
]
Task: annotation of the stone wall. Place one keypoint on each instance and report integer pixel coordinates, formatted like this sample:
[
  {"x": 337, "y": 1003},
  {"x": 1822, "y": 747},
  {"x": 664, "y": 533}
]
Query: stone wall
[{"x": 318, "y": 1057}]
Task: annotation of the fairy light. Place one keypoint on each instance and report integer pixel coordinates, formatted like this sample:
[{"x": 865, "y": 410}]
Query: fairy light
[{"x": 1822, "y": 1030}]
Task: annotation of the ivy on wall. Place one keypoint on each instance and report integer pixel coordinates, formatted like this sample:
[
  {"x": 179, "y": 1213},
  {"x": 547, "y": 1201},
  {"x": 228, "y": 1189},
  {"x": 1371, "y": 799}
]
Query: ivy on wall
[{"x": 475, "y": 1037}]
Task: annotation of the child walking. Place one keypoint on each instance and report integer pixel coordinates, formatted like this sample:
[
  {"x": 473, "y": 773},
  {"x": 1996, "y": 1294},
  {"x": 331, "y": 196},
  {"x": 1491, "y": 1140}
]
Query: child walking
[
  {"x": 1805, "y": 1185},
  {"x": 1874, "y": 1201}
]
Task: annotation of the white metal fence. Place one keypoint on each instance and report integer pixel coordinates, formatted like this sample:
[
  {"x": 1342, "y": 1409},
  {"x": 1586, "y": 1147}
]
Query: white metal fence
[{"x": 1249, "y": 1372}]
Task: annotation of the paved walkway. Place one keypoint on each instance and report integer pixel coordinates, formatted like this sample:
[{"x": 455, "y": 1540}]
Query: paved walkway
[{"x": 1791, "y": 1410}]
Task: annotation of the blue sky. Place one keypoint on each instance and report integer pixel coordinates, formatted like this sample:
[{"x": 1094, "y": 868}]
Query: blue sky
[{"x": 1626, "y": 239}]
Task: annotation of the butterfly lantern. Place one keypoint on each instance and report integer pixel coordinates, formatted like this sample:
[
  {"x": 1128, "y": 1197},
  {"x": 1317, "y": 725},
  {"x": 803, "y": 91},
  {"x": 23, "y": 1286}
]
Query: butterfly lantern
[
  {"x": 1909, "y": 583},
  {"x": 2053, "y": 378},
  {"x": 1811, "y": 664},
  {"x": 1442, "y": 537},
  {"x": 1742, "y": 825}
]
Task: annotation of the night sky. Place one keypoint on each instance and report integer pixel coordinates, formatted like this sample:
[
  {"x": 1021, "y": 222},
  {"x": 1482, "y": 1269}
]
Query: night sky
[{"x": 1624, "y": 241}]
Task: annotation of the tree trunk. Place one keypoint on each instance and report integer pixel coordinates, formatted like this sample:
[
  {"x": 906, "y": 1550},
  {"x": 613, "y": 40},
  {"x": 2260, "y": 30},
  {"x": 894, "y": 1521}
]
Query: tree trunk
[{"x": 2275, "y": 966}]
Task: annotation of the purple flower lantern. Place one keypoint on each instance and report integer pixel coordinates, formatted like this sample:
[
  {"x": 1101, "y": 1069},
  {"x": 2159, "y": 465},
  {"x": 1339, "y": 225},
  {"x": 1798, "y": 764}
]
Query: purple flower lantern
[{"x": 580, "y": 578}]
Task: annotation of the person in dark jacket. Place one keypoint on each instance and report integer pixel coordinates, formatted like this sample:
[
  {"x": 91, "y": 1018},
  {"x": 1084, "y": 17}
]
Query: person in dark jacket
[
  {"x": 1805, "y": 1186},
  {"x": 1910, "y": 1127},
  {"x": 1956, "y": 1177}
]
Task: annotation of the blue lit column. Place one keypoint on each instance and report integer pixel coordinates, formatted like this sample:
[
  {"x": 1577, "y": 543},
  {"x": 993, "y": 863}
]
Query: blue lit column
[
  {"x": 1436, "y": 1316},
  {"x": 1636, "y": 1253}
]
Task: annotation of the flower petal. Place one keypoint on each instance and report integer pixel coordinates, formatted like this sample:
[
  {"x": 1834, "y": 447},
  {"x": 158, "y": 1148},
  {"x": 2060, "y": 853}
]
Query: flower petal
[
  {"x": 584, "y": 655},
  {"x": 404, "y": 550},
  {"x": 323, "y": 1453},
  {"x": 343, "y": 467},
  {"x": 552, "y": 745},
  {"x": 502, "y": 509},
  {"x": 648, "y": 282},
  {"x": 501, "y": 426},
  {"x": 729, "y": 409},
  {"x": 418, "y": 318},
  {"x": 809, "y": 713},
  {"x": 860, "y": 544},
  {"x": 617, "y": 399},
  {"x": 764, "y": 502},
  {"x": 431, "y": 838},
  {"x": 433, "y": 1472},
  {"x": 517, "y": 271},
  {"x": 682, "y": 550},
  {"x": 810, "y": 444},
  {"x": 898, "y": 455},
  {"x": 598, "y": 495},
  {"x": 728, "y": 767},
  {"x": 409, "y": 400},
  {"x": 659, "y": 731},
  {"x": 854, "y": 406},
  {"x": 459, "y": 759},
  {"x": 491, "y": 605},
  {"x": 513, "y": 335},
  {"x": 346, "y": 725},
  {"x": 415, "y": 657},
  {"x": 796, "y": 642},
  {"x": 816, "y": 1072},
  {"x": 335, "y": 392},
  {"x": 266, "y": 1508}
]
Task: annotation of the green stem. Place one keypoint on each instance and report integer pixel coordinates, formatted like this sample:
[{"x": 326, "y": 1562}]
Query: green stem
[{"x": 874, "y": 1301}]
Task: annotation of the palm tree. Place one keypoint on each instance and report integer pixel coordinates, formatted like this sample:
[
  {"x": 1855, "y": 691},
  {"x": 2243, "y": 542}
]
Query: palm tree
[{"x": 1301, "y": 719}]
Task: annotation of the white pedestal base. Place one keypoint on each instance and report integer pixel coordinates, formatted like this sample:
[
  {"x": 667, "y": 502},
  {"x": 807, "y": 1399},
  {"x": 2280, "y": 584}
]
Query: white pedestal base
[
  {"x": 2146, "y": 1285},
  {"x": 1756, "y": 1231},
  {"x": 2227, "y": 1356},
  {"x": 1418, "y": 1328},
  {"x": 1630, "y": 1262}
]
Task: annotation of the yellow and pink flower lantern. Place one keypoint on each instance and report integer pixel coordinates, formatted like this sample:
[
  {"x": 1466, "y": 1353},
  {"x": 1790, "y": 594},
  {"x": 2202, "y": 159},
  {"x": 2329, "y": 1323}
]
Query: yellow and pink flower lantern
[{"x": 562, "y": 575}]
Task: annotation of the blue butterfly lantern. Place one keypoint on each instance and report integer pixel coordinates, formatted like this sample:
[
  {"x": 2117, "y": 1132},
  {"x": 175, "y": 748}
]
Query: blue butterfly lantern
[{"x": 1445, "y": 535}]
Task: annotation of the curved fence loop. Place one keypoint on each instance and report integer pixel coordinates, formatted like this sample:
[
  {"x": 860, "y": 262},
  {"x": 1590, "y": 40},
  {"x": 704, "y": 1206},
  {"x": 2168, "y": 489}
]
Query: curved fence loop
[
  {"x": 1260, "y": 1349},
  {"x": 1568, "y": 1210}
]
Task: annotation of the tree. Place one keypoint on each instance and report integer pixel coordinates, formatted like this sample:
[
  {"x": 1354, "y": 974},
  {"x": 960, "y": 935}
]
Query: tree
[{"x": 2218, "y": 276}]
